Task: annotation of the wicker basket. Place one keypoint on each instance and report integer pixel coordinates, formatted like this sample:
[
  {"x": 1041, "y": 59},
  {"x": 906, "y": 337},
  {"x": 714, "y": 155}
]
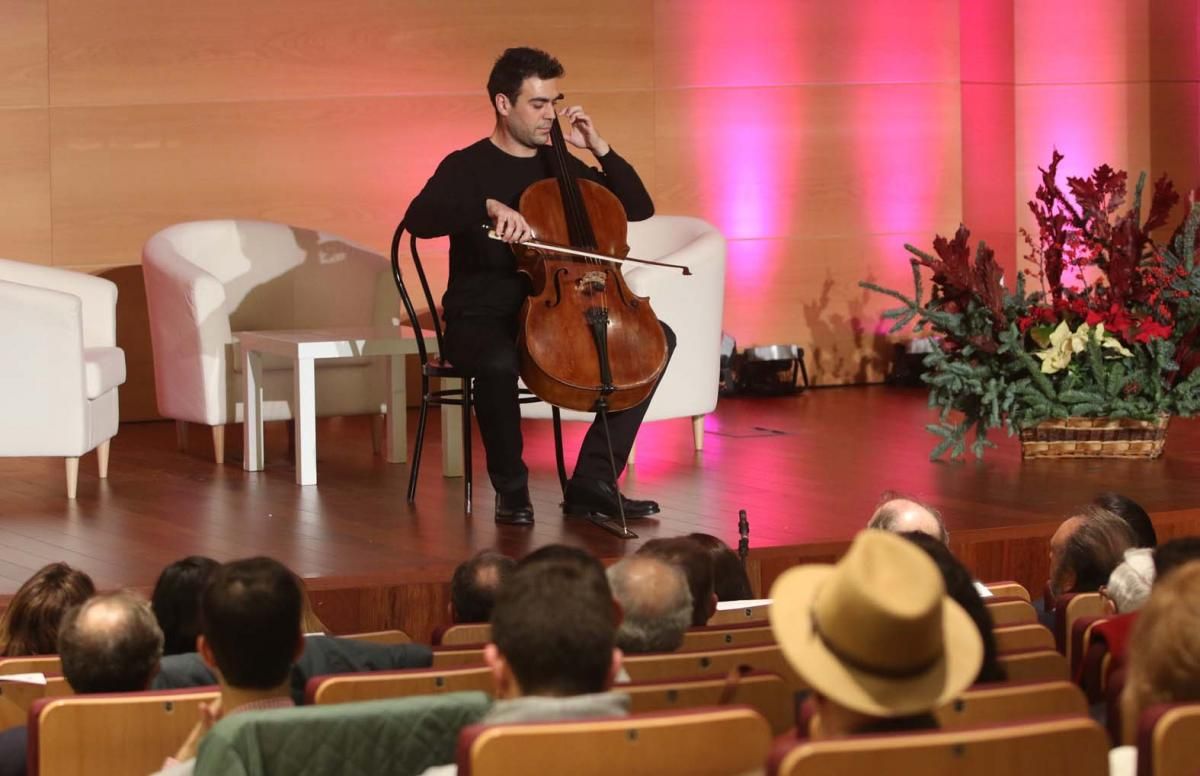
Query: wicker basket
[{"x": 1095, "y": 438}]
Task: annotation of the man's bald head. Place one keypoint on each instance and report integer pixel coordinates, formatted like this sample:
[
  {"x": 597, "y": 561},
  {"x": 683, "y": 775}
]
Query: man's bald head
[
  {"x": 901, "y": 514},
  {"x": 110, "y": 643},
  {"x": 656, "y": 602}
]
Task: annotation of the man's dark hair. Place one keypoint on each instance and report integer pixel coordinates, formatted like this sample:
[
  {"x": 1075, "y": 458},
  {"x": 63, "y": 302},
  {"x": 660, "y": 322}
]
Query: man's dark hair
[
  {"x": 730, "y": 581},
  {"x": 697, "y": 565},
  {"x": 474, "y": 585},
  {"x": 961, "y": 587},
  {"x": 517, "y": 64},
  {"x": 1093, "y": 550},
  {"x": 176, "y": 601},
  {"x": 553, "y": 624},
  {"x": 110, "y": 643},
  {"x": 1170, "y": 555},
  {"x": 1131, "y": 512},
  {"x": 250, "y": 617}
]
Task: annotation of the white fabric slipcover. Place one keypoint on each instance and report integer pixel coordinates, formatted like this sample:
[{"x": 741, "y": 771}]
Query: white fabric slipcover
[
  {"x": 58, "y": 386},
  {"x": 206, "y": 280}
]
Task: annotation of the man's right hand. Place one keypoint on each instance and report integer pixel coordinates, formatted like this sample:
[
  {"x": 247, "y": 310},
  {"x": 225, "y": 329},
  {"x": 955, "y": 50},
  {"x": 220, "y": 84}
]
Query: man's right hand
[{"x": 509, "y": 224}]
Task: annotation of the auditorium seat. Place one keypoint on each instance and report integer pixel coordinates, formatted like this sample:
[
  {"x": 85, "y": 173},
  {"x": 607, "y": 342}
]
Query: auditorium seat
[
  {"x": 111, "y": 734},
  {"x": 725, "y": 740},
  {"x": 380, "y": 637},
  {"x": 1034, "y": 665},
  {"x": 16, "y": 698},
  {"x": 758, "y": 612},
  {"x": 1073, "y": 746},
  {"x": 1167, "y": 739},
  {"x": 31, "y": 664},
  {"x": 1010, "y": 611},
  {"x": 1068, "y": 609},
  {"x": 376, "y": 685},
  {"x": 1008, "y": 589},
  {"x": 463, "y": 634},
  {"x": 1003, "y": 702},
  {"x": 1080, "y": 637},
  {"x": 710, "y": 662},
  {"x": 457, "y": 657},
  {"x": 715, "y": 637},
  {"x": 1014, "y": 638},
  {"x": 765, "y": 692}
]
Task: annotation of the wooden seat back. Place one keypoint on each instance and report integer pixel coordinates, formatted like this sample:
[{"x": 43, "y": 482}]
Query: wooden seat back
[
  {"x": 111, "y": 734},
  {"x": 710, "y": 637},
  {"x": 1167, "y": 736},
  {"x": 1010, "y": 611},
  {"x": 381, "y": 637},
  {"x": 1008, "y": 590},
  {"x": 376, "y": 685},
  {"x": 728, "y": 740},
  {"x": 466, "y": 633},
  {"x": 1034, "y": 665},
  {"x": 1064, "y": 747},
  {"x": 766, "y": 693},
  {"x": 34, "y": 664},
  {"x": 741, "y": 616},
  {"x": 456, "y": 657},
  {"x": 711, "y": 662},
  {"x": 1013, "y": 638},
  {"x": 16, "y": 698},
  {"x": 1002, "y": 702}
]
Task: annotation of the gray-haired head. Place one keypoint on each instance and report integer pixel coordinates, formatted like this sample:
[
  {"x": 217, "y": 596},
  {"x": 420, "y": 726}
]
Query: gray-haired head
[
  {"x": 1130, "y": 582},
  {"x": 656, "y": 602}
]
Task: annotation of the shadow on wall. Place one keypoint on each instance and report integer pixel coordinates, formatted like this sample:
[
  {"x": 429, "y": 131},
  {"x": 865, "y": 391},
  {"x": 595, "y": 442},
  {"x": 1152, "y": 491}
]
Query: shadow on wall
[{"x": 835, "y": 358}]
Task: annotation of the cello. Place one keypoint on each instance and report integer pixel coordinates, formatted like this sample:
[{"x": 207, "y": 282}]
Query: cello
[{"x": 585, "y": 340}]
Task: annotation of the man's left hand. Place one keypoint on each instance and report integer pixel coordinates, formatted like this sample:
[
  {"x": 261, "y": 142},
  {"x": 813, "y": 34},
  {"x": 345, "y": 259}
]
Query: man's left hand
[{"x": 583, "y": 131}]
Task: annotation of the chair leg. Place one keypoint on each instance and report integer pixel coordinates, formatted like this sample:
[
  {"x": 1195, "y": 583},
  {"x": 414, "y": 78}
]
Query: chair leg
[
  {"x": 102, "y": 458},
  {"x": 218, "y": 436},
  {"x": 418, "y": 446},
  {"x": 698, "y": 432},
  {"x": 377, "y": 425},
  {"x": 72, "y": 477},
  {"x": 468, "y": 388},
  {"x": 181, "y": 433},
  {"x": 632, "y": 459},
  {"x": 290, "y": 424}
]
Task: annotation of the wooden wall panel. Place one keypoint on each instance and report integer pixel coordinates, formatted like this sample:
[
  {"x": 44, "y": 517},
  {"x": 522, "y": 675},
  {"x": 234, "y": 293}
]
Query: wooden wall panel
[
  {"x": 758, "y": 43},
  {"x": 1082, "y": 41},
  {"x": 349, "y": 166},
  {"x": 24, "y": 185},
  {"x": 1091, "y": 124},
  {"x": 23, "y": 53},
  {"x": 812, "y": 161},
  {"x": 806, "y": 291},
  {"x": 114, "y": 52}
]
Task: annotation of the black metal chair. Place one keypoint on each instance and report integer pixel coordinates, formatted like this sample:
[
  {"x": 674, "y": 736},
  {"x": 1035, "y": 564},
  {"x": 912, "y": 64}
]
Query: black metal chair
[{"x": 435, "y": 366}]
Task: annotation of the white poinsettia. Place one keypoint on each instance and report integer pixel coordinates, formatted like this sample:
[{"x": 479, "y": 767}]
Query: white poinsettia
[{"x": 1064, "y": 344}]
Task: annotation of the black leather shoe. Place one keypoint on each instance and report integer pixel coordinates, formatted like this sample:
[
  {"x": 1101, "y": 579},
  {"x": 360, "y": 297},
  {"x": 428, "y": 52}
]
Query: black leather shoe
[
  {"x": 513, "y": 508},
  {"x": 596, "y": 498}
]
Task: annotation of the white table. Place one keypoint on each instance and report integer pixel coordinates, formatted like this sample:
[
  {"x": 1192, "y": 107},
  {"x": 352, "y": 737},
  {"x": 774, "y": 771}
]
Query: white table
[{"x": 303, "y": 347}]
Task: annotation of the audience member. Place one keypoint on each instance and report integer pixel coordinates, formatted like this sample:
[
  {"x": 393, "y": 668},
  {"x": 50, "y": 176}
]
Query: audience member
[
  {"x": 250, "y": 616},
  {"x": 1130, "y": 582},
  {"x": 176, "y": 601},
  {"x": 655, "y": 602},
  {"x": 730, "y": 582},
  {"x": 876, "y": 637},
  {"x": 553, "y": 654},
  {"x": 1085, "y": 549},
  {"x": 1132, "y": 513},
  {"x": 1164, "y": 657},
  {"x": 110, "y": 643},
  {"x": 474, "y": 584},
  {"x": 310, "y": 623},
  {"x": 899, "y": 513},
  {"x": 697, "y": 566},
  {"x": 961, "y": 587},
  {"x": 1170, "y": 555},
  {"x": 29, "y": 625}
]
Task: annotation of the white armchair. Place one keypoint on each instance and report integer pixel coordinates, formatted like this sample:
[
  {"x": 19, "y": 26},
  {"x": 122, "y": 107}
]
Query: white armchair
[
  {"x": 206, "y": 280},
  {"x": 691, "y": 305},
  {"x": 58, "y": 387}
]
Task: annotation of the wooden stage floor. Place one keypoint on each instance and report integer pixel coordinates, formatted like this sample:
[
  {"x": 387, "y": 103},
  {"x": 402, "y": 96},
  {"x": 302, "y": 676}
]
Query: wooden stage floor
[{"x": 807, "y": 469}]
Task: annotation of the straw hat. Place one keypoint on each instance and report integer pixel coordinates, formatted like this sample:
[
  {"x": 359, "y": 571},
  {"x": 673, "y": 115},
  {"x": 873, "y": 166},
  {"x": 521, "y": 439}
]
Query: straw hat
[{"x": 876, "y": 633}]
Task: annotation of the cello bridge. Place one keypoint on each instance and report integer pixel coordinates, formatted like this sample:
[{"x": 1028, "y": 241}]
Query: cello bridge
[{"x": 592, "y": 282}]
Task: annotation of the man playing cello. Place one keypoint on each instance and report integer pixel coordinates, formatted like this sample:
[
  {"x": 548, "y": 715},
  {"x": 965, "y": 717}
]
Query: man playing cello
[{"x": 483, "y": 182}]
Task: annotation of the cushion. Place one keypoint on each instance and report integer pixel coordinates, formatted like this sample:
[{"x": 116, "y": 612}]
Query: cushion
[{"x": 103, "y": 370}]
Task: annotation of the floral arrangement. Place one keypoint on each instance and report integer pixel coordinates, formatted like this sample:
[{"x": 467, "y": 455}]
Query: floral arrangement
[{"x": 1104, "y": 324}]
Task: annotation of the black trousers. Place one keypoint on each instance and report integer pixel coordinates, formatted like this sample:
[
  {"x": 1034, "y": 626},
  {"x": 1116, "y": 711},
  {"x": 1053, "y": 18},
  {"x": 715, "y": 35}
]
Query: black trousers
[{"x": 486, "y": 348}]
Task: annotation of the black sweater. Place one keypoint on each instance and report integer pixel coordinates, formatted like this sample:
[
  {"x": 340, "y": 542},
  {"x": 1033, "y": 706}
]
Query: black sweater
[{"x": 483, "y": 276}]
